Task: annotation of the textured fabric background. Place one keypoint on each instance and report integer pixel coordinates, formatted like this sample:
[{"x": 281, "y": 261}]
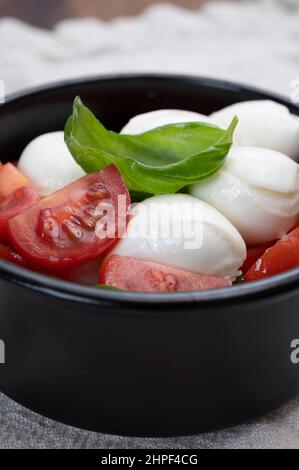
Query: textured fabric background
[
  {"x": 22, "y": 429},
  {"x": 254, "y": 42}
]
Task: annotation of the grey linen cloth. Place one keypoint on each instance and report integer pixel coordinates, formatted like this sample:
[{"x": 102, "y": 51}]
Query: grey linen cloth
[
  {"x": 254, "y": 42},
  {"x": 22, "y": 429}
]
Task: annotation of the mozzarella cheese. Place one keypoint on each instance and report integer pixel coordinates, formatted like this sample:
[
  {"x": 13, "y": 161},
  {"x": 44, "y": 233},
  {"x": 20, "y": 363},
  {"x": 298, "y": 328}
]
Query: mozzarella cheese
[
  {"x": 48, "y": 165},
  {"x": 148, "y": 121},
  {"x": 180, "y": 231},
  {"x": 257, "y": 190},
  {"x": 264, "y": 124}
]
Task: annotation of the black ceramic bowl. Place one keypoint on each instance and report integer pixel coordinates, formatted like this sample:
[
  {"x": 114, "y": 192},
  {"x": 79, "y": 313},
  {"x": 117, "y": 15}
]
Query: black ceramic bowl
[{"x": 134, "y": 364}]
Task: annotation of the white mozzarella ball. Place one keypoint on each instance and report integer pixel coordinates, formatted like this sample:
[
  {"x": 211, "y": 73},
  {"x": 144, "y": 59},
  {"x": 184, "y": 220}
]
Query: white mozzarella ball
[
  {"x": 180, "y": 231},
  {"x": 48, "y": 165},
  {"x": 257, "y": 190},
  {"x": 152, "y": 120},
  {"x": 264, "y": 124}
]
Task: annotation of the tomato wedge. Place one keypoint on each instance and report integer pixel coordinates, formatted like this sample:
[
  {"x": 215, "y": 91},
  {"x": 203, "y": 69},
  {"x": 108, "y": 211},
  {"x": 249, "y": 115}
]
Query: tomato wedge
[
  {"x": 143, "y": 276},
  {"x": 86, "y": 274},
  {"x": 75, "y": 224},
  {"x": 16, "y": 195},
  {"x": 282, "y": 256},
  {"x": 253, "y": 254},
  {"x": 8, "y": 254}
]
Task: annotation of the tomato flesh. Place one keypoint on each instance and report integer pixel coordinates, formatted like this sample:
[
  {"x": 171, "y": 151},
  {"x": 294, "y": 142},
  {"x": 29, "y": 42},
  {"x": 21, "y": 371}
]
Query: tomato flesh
[
  {"x": 16, "y": 195},
  {"x": 8, "y": 254},
  {"x": 143, "y": 276},
  {"x": 86, "y": 274},
  {"x": 253, "y": 254},
  {"x": 60, "y": 231},
  {"x": 282, "y": 256}
]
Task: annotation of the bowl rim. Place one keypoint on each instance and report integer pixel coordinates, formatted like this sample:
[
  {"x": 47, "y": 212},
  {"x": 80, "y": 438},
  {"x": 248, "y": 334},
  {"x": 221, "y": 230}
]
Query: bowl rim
[{"x": 63, "y": 290}]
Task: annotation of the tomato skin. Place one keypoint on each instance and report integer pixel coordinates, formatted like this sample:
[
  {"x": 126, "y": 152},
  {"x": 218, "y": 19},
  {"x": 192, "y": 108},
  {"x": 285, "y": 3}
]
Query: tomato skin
[
  {"x": 58, "y": 233},
  {"x": 143, "y": 276},
  {"x": 281, "y": 257},
  {"x": 86, "y": 274},
  {"x": 8, "y": 254},
  {"x": 253, "y": 254},
  {"x": 16, "y": 195}
]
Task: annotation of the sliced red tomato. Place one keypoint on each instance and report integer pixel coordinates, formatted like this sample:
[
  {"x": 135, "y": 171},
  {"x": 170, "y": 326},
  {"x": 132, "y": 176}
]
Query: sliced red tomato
[
  {"x": 16, "y": 195},
  {"x": 75, "y": 224},
  {"x": 143, "y": 276},
  {"x": 253, "y": 254},
  {"x": 86, "y": 274},
  {"x": 282, "y": 256},
  {"x": 8, "y": 254}
]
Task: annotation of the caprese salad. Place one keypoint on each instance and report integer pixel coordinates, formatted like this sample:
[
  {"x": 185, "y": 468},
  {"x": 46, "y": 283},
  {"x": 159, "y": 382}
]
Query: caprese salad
[{"x": 177, "y": 201}]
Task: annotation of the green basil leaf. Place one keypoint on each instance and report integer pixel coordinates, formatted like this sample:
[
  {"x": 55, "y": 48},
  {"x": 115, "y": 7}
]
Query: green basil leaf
[
  {"x": 107, "y": 287},
  {"x": 240, "y": 279},
  {"x": 138, "y": 197},
  {"x": 163, "y": 160}
]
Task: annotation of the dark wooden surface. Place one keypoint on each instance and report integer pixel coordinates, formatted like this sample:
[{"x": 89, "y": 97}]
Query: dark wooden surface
[{"x": 46, "y": 12}]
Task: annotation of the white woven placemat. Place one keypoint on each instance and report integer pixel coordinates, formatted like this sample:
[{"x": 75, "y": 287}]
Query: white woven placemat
[{"x": 256, "y": 42}]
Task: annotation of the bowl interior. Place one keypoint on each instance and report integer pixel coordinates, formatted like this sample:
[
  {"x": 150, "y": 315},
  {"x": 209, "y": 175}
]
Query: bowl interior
[{"x": 115, "y": 100}]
